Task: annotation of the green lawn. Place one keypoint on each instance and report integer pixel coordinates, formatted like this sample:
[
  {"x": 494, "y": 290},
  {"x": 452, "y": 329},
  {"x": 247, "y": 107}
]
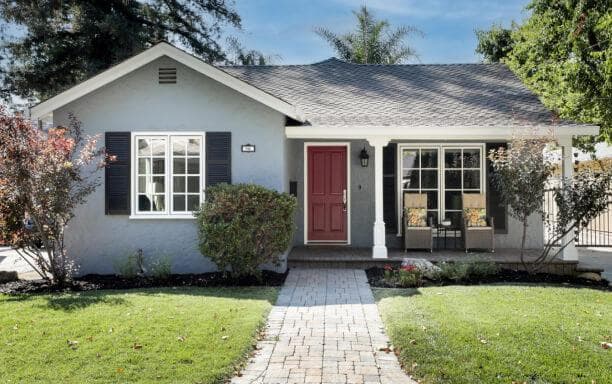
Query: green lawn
[
  {"x": 183, "y": 335},
  {"x": 501, "y": 333}
]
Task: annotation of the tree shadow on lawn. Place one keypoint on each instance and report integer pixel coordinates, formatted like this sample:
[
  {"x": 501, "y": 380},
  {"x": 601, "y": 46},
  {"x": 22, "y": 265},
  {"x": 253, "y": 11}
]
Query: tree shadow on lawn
[
  {"x": 385, "y": 293},
  {"x": 69, "y": 302}
]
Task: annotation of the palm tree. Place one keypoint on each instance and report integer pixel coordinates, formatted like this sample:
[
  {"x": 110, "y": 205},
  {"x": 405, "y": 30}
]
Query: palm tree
[{"x": 372, "y": 42}]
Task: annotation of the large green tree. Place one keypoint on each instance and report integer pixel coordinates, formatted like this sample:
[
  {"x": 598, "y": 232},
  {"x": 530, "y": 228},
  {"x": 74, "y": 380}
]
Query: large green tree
[
  {"x": 60, "y": 43},
  {"x": 563, "y": 52},
  {"x": 372, "y": 42},
  {"x": 494, "y": 44}
]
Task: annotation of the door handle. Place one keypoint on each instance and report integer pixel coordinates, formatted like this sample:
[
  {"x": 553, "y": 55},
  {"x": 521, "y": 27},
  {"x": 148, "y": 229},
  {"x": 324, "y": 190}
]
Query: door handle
[{"x": 344, "y": 199}]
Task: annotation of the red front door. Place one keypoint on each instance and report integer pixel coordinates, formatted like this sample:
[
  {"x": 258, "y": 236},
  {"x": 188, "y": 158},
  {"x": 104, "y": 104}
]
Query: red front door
[{"x": 327, "y": 194}]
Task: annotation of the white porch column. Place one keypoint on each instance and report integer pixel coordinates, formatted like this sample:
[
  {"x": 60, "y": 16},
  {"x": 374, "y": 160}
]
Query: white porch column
[
  {"x": 379, "y": 250},
  {"x": 567, "y": 171}
]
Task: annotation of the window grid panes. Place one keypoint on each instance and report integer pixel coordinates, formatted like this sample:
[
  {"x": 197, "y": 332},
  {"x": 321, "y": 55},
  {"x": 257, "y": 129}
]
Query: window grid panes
[
  {"x": 168, "y": 174},
  {"x": 186, "y": 180},
  {"x": 444, "y": 173},
  {"x": 420, "y": 167},
  {"x": 151, "y": 168},
  {"x": 462, "y": 174}
]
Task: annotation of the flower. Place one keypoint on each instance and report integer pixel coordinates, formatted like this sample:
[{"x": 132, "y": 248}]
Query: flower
[
  {"x": 388, "y": 267},
  {"x": 409, "y": 268}
]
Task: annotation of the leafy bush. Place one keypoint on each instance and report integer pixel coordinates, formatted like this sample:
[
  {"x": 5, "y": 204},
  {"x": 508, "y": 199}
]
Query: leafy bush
[
  {"x": 161, "y": 268},
  {"x": 136, "y": 265},
  {"x": 406, "y": 276},
  {"x": 131, "y": 266},
  {"x": 243, "y": 226},
  {"x": 469, "y": 269}
]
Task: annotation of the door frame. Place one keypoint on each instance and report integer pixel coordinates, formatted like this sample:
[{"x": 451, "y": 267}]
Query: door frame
[{"x": 308, "y": 144}]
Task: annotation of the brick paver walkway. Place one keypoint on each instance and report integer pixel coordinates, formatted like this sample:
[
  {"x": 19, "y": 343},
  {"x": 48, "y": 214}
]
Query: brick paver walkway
[{"x": 324, "y": 328}]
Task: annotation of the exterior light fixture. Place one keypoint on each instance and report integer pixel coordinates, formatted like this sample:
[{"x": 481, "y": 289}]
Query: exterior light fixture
[{"x": 364, "y": 157}]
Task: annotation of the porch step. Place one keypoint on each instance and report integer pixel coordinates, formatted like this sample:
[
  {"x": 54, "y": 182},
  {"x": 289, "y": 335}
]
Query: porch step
[
  {"x": 361, "y": 258},
  {"x": 351, "y": 264}
]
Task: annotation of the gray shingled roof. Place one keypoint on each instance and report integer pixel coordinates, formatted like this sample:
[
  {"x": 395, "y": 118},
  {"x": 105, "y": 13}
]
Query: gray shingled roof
[{"x": 334, "y": 92}]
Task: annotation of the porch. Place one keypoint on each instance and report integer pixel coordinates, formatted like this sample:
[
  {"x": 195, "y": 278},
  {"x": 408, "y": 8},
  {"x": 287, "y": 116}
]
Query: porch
[{"x": 363, "y": 208}]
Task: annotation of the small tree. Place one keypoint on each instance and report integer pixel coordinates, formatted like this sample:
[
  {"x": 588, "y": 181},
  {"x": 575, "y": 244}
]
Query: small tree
[
  {"x": 520, "y": 175},
  {"x": 44, "y": 176},
  {"x": 243, "y": 226}
]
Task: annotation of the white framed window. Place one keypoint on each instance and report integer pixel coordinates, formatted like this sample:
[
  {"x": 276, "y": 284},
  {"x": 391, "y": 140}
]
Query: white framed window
[
  {"x": 168, "y": 174},
  {"x": 442, "y": 171}
]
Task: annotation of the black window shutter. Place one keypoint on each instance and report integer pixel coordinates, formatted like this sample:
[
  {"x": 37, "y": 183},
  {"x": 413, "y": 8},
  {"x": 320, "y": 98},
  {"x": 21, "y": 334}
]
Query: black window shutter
[
  {"x": 218, "y": 158},
  {"x": 389, "y": 187},
  {"x": 495, "y": 208},
  {"x": 117, "y": 173}
]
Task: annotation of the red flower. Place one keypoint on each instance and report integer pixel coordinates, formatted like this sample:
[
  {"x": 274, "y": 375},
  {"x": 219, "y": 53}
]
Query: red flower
[
  {"x": 408, "y": 268},
  {"x": 388, "y": 267}
]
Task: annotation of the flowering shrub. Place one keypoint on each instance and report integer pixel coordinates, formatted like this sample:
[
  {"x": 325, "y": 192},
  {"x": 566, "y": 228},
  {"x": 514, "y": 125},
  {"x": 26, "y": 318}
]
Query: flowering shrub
[
  {"x": 44, "y": 176},
  {"x": 406, "y": 276}
]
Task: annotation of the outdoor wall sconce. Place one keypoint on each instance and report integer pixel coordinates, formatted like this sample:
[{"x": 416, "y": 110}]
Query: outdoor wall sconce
[{"x": 364, "y": 157}]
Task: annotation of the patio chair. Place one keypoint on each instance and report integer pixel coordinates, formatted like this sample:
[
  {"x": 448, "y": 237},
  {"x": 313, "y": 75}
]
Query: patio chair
[
  {"x": 418, "y": 233},
  {"x": 477, "y": 228}
]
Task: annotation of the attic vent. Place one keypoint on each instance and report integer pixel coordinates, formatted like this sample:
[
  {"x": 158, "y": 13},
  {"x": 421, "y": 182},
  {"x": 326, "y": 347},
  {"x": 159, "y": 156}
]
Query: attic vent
[{"x": 167, "y": 75}]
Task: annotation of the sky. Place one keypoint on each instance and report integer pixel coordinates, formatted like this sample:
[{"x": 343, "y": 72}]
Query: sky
[{"x": 285, "y": 27}]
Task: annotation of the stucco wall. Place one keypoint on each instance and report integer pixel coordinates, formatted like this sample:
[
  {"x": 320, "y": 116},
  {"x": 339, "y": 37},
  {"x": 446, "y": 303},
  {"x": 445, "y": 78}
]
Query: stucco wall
[{"x": 137, "y": 102}]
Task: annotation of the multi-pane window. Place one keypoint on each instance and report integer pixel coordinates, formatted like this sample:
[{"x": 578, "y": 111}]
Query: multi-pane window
[
  {"x": 420, "y": 175},
  {"x": 462, "y": 174},
  {"x": 186, "y": 180},
  {"x": 168, "y": 174},
  {"x": 151, "y": 155},
  {"x": 444, "y": 173}
]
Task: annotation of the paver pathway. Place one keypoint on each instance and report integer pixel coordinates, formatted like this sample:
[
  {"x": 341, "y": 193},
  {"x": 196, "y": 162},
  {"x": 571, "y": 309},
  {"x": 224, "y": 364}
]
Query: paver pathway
[{"x": 324, "y": 328}]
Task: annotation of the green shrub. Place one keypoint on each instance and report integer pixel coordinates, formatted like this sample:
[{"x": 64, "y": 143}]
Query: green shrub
[
  {"x": 131, "y": 265},
  {"x": 161, "y": 268},
  {"x": 243, "y": 226},
  {"x": 469, "y": 269}
]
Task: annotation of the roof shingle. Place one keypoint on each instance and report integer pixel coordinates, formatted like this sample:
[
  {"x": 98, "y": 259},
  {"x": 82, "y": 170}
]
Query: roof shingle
[{"x": 334, "y": 92}]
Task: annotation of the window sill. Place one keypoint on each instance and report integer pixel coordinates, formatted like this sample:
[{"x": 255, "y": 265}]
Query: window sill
[{"x": 162, "y": 217}]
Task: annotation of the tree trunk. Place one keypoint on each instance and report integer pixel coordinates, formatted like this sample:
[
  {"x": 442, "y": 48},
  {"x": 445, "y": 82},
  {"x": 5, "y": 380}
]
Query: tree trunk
[{"x": 523, "y": 239}]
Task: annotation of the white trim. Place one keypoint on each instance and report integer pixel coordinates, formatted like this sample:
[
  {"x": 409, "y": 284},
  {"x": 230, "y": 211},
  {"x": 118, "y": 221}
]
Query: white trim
[
  {"x": 439, "y": 132},
  {"x": 348, "y": 190},
  {"x": 151, "y": 54},
  {"x": 167, "y": 214},
  {"x": 141, "y": 216},
  {"x": 441, "y": 172}
]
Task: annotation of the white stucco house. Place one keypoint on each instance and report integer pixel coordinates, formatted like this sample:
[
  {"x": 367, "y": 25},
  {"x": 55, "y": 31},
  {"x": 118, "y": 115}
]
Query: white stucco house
[{"x": 177, "y": 125}]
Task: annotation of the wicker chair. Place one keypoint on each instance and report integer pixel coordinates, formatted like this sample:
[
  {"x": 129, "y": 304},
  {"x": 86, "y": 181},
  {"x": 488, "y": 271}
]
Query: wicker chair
[
  {"x": 477, "y": 237},
  {"x": 417, "y": 237}
]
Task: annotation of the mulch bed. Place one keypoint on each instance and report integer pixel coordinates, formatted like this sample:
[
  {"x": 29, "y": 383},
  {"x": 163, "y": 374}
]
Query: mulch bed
[
  {"x": 376, "y": 274},
  {"x": 99, "y": 282}
]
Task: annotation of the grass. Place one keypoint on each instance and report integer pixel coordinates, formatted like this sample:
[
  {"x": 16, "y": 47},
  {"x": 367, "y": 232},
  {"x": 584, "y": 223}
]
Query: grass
[
  {"x": 500, "y": 333},
  {"x": 183, "y": 335}
]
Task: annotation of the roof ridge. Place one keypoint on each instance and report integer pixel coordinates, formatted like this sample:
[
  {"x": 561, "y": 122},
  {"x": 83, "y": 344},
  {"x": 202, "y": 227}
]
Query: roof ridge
[{"x": 336, "y": 60}]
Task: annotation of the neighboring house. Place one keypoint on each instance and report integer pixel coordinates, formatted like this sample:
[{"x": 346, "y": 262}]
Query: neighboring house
[{"x": 178, "y": 125}]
